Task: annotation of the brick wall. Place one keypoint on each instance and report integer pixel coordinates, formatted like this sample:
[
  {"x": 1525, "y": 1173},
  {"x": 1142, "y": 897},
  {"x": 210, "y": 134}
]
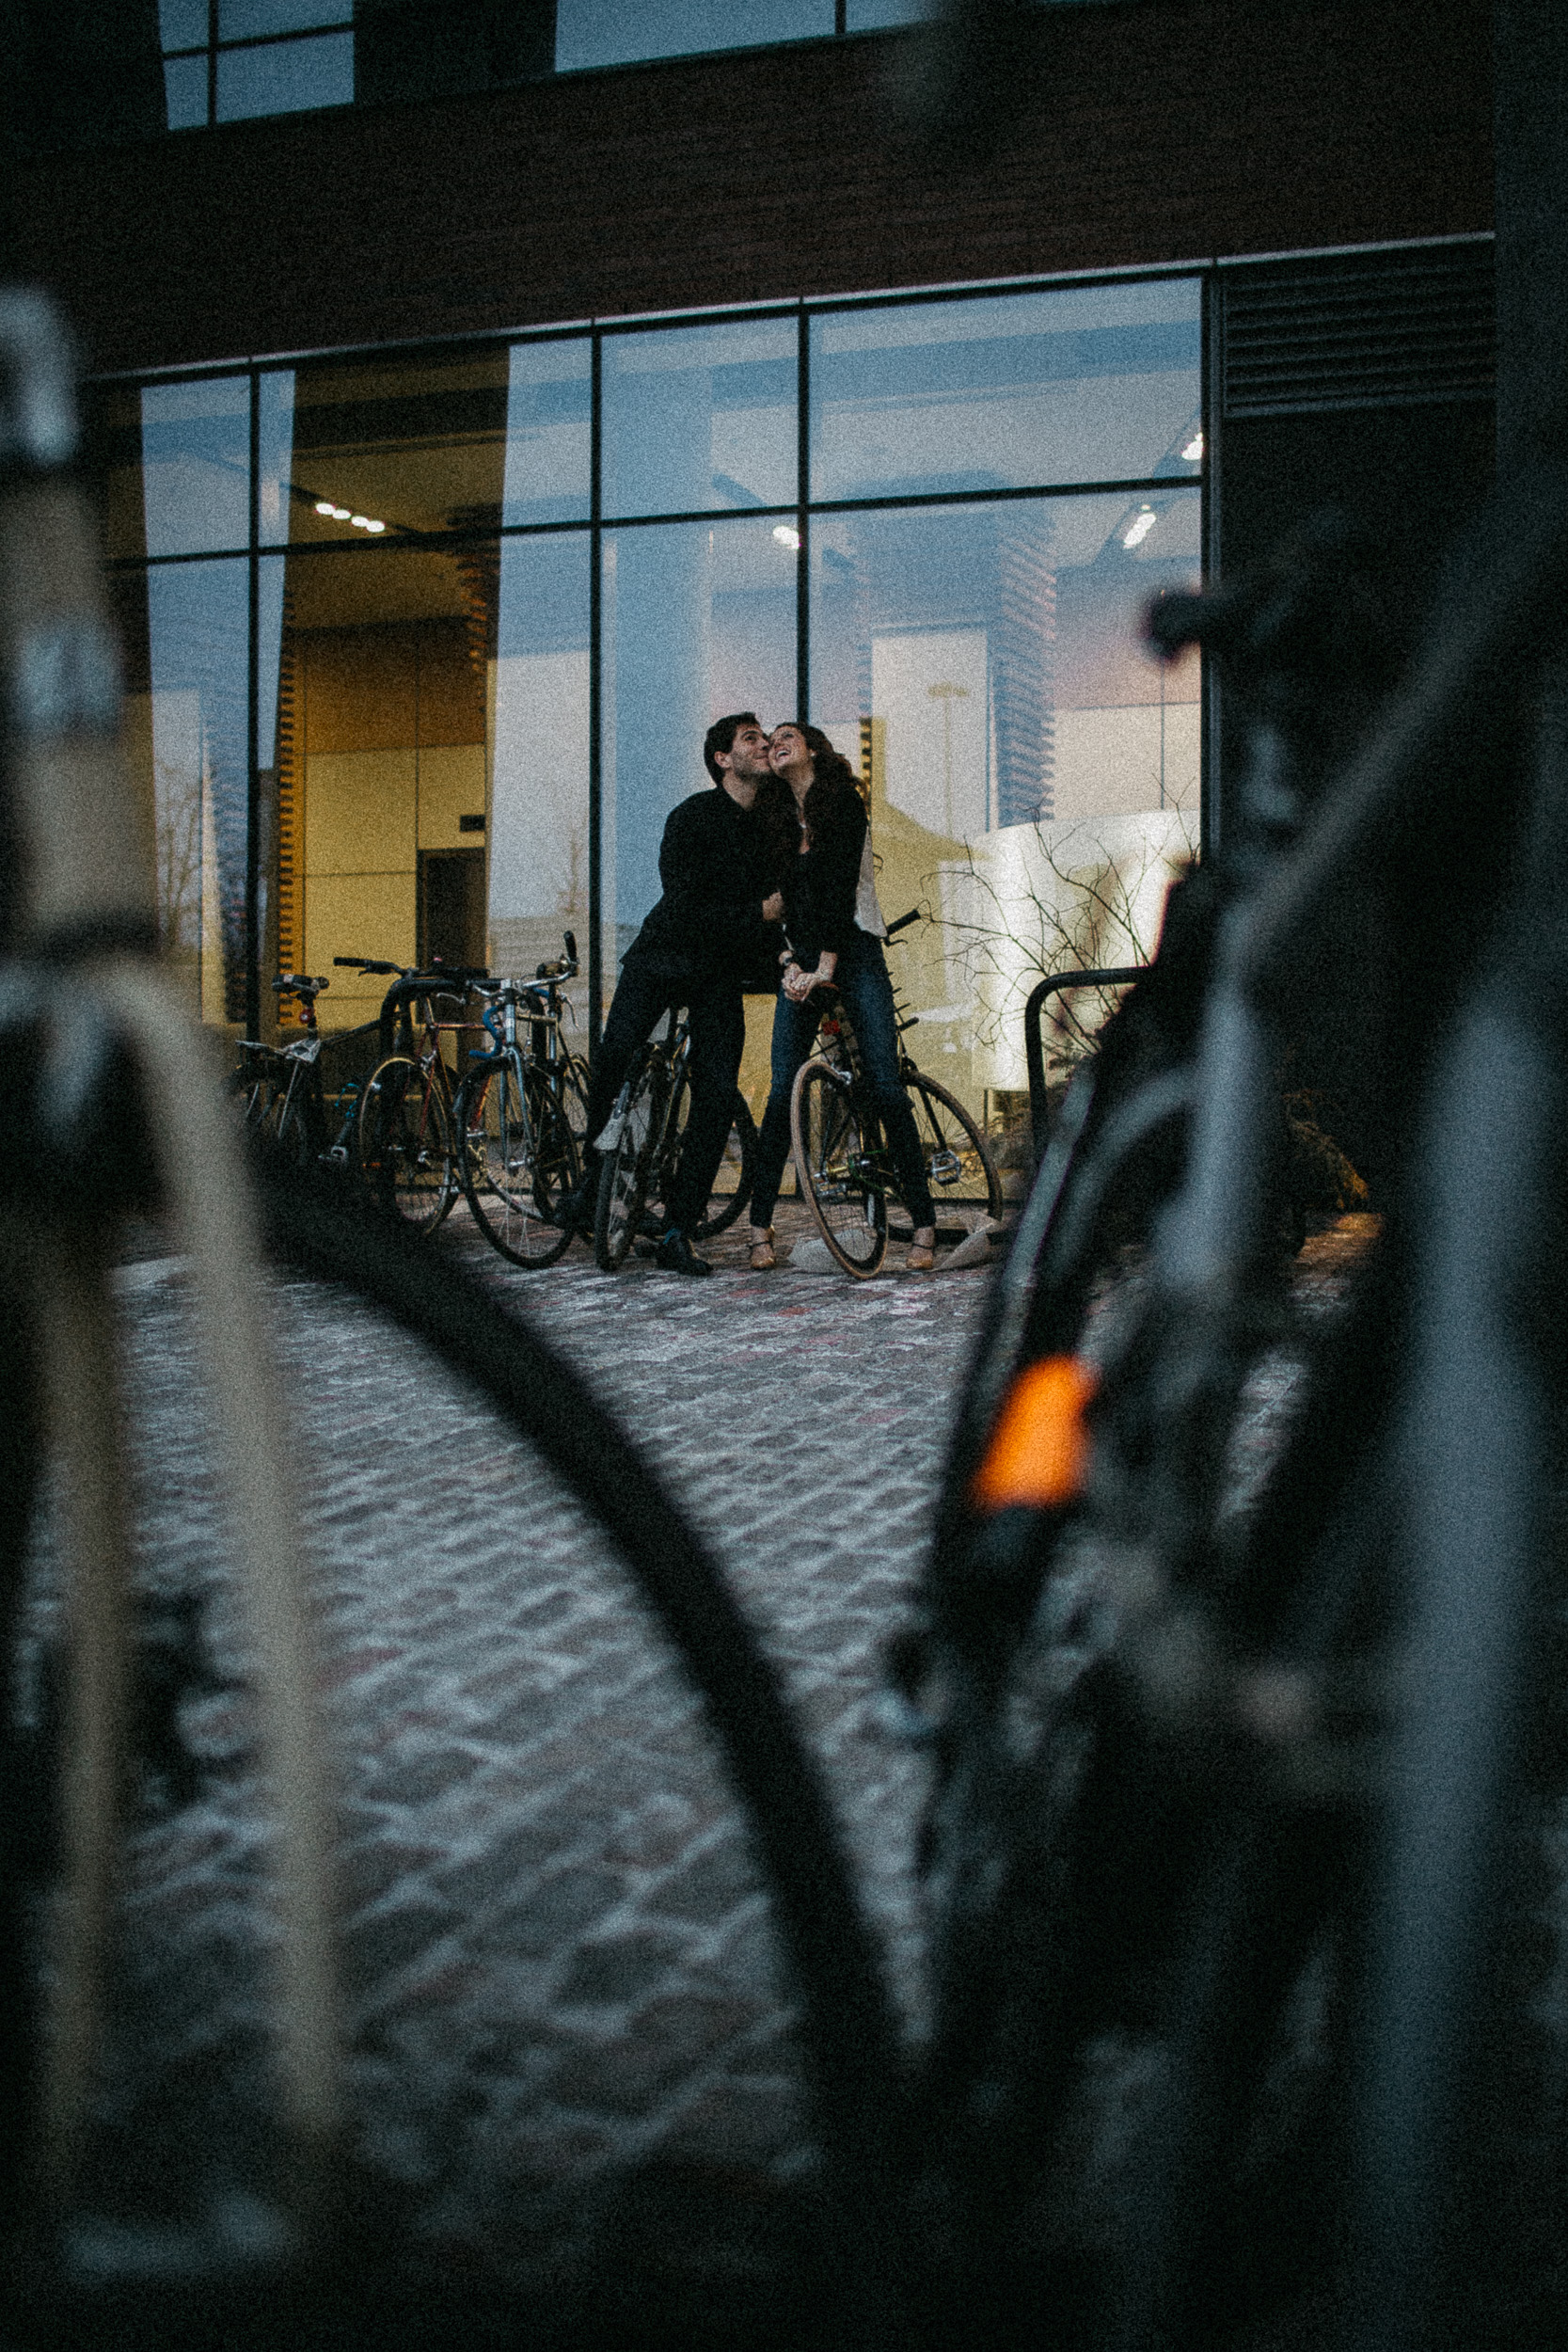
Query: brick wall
[{"x": 1148, "y": 134}]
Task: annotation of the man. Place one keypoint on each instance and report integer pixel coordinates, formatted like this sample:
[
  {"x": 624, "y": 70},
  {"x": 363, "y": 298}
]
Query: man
[{"x": 704, "y": 942}]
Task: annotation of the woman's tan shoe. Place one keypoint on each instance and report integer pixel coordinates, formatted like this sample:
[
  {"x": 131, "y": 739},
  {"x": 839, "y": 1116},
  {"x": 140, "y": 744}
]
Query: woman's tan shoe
[
  {"x": 762, "y": 1248},
  {"x": 922, "y": 1254}
]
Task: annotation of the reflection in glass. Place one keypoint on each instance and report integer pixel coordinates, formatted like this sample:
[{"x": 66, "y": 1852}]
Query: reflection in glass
[
  {"x": 249, "y": 20},
  {"x": 548, "y": 432},
  {"x": 1089, "y": 383},
  {"x": 286, "y": 77},
  {"x": 276, "y": 434},
  {"x": 618, "y": 32},
  {"x": 1034, "y": 772},
  {"x": 538, "y": 834},
  {"x": 182, "y": 23},
  {"x": 186, "y": 92},
  {"x": 187, "y": 721},
  {"x": 699, "y": 619},
  {"x": 416, "y": 445},
  {"x": 698, "y": 417},
  {"x": 196, "y": 465}
]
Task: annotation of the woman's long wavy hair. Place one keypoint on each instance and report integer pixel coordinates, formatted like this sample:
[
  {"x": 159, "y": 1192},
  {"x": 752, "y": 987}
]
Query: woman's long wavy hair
[{"x": 834, "y": 790}]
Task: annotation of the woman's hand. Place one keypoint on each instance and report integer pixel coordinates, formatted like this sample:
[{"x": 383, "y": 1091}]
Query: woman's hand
[
  {"x": 797, "y": 985},
  {"x": 773, "y": 907}
]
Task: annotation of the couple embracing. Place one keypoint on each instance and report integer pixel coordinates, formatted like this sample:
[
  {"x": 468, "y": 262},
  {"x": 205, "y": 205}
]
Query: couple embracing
[{"x": 767, "y": 883}]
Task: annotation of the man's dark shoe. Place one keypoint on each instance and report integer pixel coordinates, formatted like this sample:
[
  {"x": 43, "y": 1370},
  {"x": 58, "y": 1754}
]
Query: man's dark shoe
[{"x": 676, "y": 1256}]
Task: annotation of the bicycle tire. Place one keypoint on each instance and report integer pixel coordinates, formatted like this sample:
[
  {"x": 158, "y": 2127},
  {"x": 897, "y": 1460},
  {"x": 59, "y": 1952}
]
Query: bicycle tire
[
  {"x": 960, "y": 1168},
  {"x": 834, "y": 1156},
  {"x": 736, "y": 1170},
  {"x": 288, "y": 1121},
  {"x": 570, "y": 1082},
  {"x": 405, "y": 1143},
  {"x": 623, "y": 1170},
  {"x": 517, "y": 1161}
]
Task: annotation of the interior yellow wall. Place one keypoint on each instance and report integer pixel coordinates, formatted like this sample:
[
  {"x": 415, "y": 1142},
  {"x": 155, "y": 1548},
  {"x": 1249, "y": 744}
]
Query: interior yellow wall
[{"x": 393, "y": 736}]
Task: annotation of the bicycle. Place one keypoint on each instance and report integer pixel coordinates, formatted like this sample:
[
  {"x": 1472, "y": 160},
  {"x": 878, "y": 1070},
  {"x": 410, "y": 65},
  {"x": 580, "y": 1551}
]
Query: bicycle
[
  {"x": 1245, "y": 1794},
  {"x": 640, "y": 1142},
  {"x": 406, "y": 1119},
  {"x": 517, "y": 1158},
  {"x": 281, "y": 1090},
  {"x": 843, "y": 1164},
  {"x": 565, "y": 1073}
]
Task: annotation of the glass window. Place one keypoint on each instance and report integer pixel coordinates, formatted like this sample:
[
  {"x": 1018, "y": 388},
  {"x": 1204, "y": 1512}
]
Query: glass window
[
  {"x": 1088, "y": 384},
  {"x": 538, "y": 835},
  {"x": 383, "y": 704},
  {"x": 186, "y": 92},
  {"x": 619, "y": 32},
  {"x": 699, "y": 619},
  {"x": 251, "y": 20},
  {"x": 1034, "y": 771},
  {"x": 275, "y": 411},
  {"x": 186, "y": 630},
  {"x": 182, "y": 23},
  {"x": 398, "y": 449},
  {"x": 700, "y": 417},
  {"x": 549, "y": 432},
  {"x": 195, "y": 466},
  {"x": 870, "y": 16},
  {"x": 286, "y": 77}
]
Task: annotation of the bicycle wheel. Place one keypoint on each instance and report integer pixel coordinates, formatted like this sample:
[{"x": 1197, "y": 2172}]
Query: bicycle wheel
[
  {"x": 518, "y": 1162},
  {"x": 837, "y": 1161},
  {"x": 405, "y": 1143},
  {"x": 732, "y": 1185},
  {"x": 623, "y": 1170},
  {"x": 252, "y": 1090},
  {"x": 572, "y": 1083},
  {"x": 959, "y": 1164}
]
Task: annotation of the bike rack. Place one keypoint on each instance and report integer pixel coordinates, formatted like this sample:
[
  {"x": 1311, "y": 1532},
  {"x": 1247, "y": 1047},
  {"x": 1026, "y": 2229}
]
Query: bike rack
[{"x": 1034, "y": 1049}]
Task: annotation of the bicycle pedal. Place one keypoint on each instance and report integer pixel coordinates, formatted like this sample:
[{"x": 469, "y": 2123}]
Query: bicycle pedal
[
  {"x": 945, "y": 1168},
  {"x": 337, "y": 1153}
]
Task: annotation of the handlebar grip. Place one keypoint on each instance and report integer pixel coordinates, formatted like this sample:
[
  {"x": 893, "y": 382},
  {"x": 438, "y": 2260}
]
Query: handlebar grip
[
  {"x": 570, "y": 939},
  {"x": 904, "y": 920}
]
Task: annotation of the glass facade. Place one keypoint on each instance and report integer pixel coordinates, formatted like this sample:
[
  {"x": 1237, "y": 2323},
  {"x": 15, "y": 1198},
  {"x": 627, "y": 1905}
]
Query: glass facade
[{"x": 421, "y": 646}]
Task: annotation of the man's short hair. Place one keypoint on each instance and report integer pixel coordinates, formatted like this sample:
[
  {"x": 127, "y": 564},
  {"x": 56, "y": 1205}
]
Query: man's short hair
[{"x": 720, "y": 738}]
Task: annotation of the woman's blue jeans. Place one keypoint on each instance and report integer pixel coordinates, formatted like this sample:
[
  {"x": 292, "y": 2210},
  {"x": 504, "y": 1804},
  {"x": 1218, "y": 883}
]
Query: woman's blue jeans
[{"x": 862, "y": 979}]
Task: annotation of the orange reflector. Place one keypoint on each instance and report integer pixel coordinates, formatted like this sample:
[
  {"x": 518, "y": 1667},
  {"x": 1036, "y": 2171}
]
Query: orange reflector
[{"x": 1039, "y": 1449}]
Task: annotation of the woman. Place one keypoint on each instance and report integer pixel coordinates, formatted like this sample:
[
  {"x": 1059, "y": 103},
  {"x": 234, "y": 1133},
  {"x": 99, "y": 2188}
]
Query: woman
[{"x": 818, "y": 823}]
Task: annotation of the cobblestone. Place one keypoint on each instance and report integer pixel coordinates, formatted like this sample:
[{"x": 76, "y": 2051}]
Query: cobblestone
[
  {"x": 558, "y": 1957},
  {"x": 557, "y": 1952}
]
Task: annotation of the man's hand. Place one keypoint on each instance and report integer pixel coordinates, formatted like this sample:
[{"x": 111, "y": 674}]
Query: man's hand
[{"x": 772, "y": 908}]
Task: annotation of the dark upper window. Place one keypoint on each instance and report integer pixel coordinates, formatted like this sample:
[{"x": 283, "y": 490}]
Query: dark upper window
[{"x": 225, "y": 60}]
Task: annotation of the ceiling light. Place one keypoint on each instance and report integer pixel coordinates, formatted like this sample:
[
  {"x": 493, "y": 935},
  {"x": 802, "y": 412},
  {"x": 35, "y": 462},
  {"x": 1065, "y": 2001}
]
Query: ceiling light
[
  {"x": 339, "y": 514},
  {"x": 1139, "y": 528},
  {"x": 360, "y": 522},
  {"x": 1194, "y": 449},
  {"x": 325, "y": 506},
  {"x": 375, "y": 525},
  {"x": 786, "y": 535}
]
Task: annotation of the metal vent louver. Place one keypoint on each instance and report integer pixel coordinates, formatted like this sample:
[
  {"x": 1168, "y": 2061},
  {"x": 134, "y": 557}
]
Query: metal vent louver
[{"x": 1358, "y": 330}]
